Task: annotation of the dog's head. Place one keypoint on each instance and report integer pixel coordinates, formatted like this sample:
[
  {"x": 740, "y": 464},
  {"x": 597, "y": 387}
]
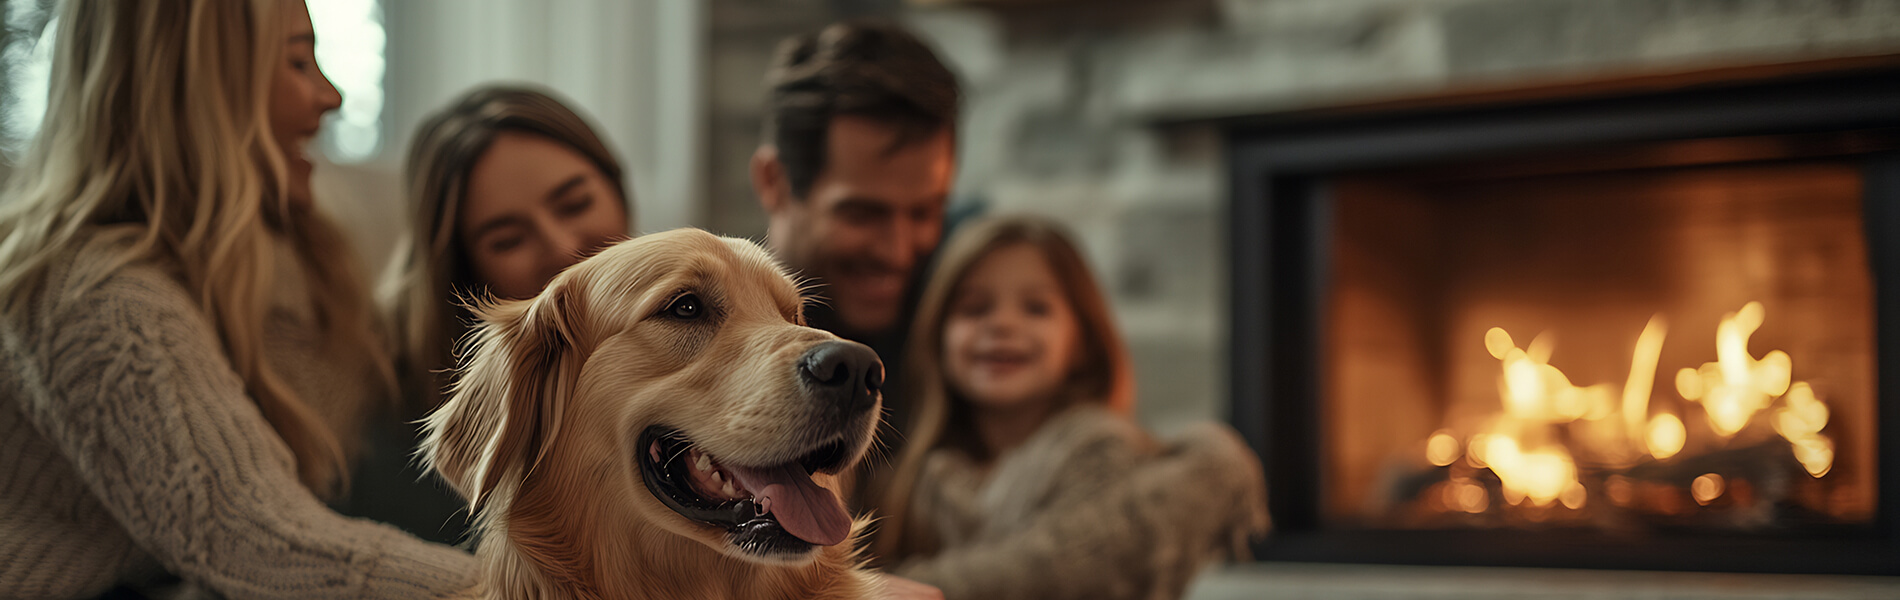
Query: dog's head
[{"x": 668, "y": 381}]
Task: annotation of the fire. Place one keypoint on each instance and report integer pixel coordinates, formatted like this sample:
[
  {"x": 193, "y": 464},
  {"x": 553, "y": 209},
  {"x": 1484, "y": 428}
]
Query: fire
[
  {"x": 1642, "y": 380},
  {"x": 1542, "y": 475},
  {"x": 1799, "y": 421},
  {"x": 1536, "y": 395},
  {"x": 1522, "y": 445},
  {"x": 1666, "y": 436},
  {"x": 1736, "y": 386},
  {"x": 1816, "y": 454},
  {"x": 1535, "y": 391}
]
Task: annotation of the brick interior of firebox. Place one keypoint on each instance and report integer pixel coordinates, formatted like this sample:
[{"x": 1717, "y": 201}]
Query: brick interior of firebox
[{"x": 1426, "y": 264}]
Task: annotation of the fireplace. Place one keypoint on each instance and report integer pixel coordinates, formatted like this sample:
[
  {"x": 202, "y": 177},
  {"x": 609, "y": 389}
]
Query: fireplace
[{"x": 1626, "y": 324}]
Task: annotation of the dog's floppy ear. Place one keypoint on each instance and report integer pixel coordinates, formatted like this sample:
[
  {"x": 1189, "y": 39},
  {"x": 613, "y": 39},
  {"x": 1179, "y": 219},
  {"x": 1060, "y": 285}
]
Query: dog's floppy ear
[{"x": 521, "y": 364}]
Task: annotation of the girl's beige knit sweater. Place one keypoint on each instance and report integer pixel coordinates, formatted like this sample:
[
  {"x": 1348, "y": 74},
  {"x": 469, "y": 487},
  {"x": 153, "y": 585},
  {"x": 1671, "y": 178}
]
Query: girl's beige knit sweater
[{"x": 1087, "y": 507}]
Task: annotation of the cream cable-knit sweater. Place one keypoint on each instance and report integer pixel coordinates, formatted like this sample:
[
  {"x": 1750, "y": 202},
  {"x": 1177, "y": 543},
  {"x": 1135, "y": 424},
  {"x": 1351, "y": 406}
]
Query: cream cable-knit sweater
[{"x": 129, "y": 449}]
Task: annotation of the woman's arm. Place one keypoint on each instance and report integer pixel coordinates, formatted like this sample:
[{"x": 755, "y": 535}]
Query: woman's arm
[
  {"x": 1147, "y": 531},
  {"x": 134, "y": 389}
]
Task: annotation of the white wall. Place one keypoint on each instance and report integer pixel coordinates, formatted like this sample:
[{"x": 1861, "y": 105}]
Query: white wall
[{"x": 634, "y": 69}]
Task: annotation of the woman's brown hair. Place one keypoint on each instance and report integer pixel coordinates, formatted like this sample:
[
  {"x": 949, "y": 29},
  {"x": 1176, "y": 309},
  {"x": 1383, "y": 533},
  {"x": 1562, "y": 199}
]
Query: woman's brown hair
[
  {"x": 432, "y": 270},
  {"x": 941, "y": 418}
]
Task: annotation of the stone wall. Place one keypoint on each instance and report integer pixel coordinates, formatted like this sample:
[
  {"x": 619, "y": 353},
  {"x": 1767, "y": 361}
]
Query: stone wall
[{"x": 1068, "y": 100}]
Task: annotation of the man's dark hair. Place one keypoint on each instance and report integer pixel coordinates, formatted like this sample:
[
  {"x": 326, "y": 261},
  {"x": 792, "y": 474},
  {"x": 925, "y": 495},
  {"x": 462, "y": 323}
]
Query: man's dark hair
[{"x": 862, "y": 68}]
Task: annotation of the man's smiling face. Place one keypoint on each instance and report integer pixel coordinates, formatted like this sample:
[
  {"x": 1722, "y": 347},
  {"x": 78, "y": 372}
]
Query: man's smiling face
[{"x": 873, "y": 215}]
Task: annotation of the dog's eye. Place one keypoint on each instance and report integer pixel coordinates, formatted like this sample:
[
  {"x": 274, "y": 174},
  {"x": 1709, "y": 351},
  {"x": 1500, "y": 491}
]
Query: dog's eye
[{"x": 685, "y": 307}]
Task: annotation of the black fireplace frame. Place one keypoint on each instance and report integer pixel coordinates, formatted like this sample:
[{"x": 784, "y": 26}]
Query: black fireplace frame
[{"x": 1279, "y": 218}]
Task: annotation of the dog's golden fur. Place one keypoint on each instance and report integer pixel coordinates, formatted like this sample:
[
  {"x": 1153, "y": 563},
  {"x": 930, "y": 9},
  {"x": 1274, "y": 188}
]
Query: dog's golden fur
[{"x": 542, "y": 430}]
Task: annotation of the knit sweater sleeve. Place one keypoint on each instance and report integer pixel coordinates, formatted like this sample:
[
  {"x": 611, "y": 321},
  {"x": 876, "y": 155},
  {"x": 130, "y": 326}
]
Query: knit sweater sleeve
[
  {"x": 131, "y": 385},
  {"x": 1135, "y": 530}
]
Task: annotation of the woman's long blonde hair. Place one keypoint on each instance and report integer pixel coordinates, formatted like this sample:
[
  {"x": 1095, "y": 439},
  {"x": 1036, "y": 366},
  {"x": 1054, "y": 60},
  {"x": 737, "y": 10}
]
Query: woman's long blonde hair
[
  {"x": 431, "y": 273},
  {"x": 942, "y": 418},
  {"x": 158, "y": 117}
]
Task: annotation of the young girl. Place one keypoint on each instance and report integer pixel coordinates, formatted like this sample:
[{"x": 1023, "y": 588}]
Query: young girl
[
  {"x": 186, "y": 353},
  {"x": 1023, "y": 474}
]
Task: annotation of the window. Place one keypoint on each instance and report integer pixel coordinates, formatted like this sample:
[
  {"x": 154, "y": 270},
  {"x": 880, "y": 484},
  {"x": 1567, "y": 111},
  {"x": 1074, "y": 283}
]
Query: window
[
  {"x": 350, "y": 49},
  {"x": 26, "y": 62},
  {"x": 350, "y": 45}
]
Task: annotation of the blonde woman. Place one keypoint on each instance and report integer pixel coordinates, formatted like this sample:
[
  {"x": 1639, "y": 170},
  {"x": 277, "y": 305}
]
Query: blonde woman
[
  {"x": 186, "y": 352},
  {"x": 1025, "y": 475}
]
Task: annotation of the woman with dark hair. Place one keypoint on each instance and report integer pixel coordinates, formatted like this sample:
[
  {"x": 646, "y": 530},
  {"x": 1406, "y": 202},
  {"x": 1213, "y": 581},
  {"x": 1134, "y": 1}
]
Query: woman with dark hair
[{"x": 508, "y": 186}]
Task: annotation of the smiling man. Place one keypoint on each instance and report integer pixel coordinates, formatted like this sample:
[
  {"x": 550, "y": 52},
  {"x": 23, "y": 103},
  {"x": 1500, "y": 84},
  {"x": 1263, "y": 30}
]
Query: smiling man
[{"x": 859, "y": 150}]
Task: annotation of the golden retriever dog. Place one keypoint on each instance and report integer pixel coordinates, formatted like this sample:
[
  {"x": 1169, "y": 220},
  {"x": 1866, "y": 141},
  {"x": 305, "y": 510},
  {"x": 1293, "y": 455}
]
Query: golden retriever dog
[{"x": 659, "y": 423}]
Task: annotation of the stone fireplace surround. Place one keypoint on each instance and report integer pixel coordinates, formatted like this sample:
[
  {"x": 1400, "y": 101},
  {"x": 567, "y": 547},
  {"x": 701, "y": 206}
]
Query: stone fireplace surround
[{"x": 1280, "y": 165}]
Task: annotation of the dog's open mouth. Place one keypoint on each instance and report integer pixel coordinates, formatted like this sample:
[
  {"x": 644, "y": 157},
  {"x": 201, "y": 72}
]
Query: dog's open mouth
[{"x": 768, "y": 510}]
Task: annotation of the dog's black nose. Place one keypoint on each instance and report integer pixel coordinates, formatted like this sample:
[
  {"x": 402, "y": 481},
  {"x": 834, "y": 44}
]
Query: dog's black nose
[{"x": 845, "y": 372}]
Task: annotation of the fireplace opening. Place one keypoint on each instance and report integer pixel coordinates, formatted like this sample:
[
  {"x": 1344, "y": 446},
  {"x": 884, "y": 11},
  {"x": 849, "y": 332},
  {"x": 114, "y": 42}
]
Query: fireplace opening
[
  {"x": 1628, "y": 351},
  {"x": 1628, "y": 324}
]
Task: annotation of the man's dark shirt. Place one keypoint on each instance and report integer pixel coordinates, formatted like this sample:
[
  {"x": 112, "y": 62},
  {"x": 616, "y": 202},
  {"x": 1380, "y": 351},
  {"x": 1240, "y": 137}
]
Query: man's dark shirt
[{"x": 890, "y": 346}]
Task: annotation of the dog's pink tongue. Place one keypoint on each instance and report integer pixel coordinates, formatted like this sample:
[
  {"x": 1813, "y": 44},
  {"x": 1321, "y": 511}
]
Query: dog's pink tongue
[{"x": 807, "y": 511}]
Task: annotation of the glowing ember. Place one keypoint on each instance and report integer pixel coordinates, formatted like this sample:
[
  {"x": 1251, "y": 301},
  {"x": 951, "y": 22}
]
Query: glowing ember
[
  {"x": 1442, "y": 448},
  {"x": 1467, "y": 496},
  {"x": 1620, "y": 489},
  {"x": 1707, "y": 488}
]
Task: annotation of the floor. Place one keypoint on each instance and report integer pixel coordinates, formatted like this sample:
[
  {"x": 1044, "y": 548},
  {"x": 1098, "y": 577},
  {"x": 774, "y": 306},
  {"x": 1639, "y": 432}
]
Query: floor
[{"x": 1381, "y": 582}]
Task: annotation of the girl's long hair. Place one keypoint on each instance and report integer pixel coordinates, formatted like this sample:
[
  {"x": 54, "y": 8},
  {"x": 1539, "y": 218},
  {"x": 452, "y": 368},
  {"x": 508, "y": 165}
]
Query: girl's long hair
[
  {"x": 158, "y": 118},
  {"x": 941, "y": 418},
  {"x": 431, "y": 272}
]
